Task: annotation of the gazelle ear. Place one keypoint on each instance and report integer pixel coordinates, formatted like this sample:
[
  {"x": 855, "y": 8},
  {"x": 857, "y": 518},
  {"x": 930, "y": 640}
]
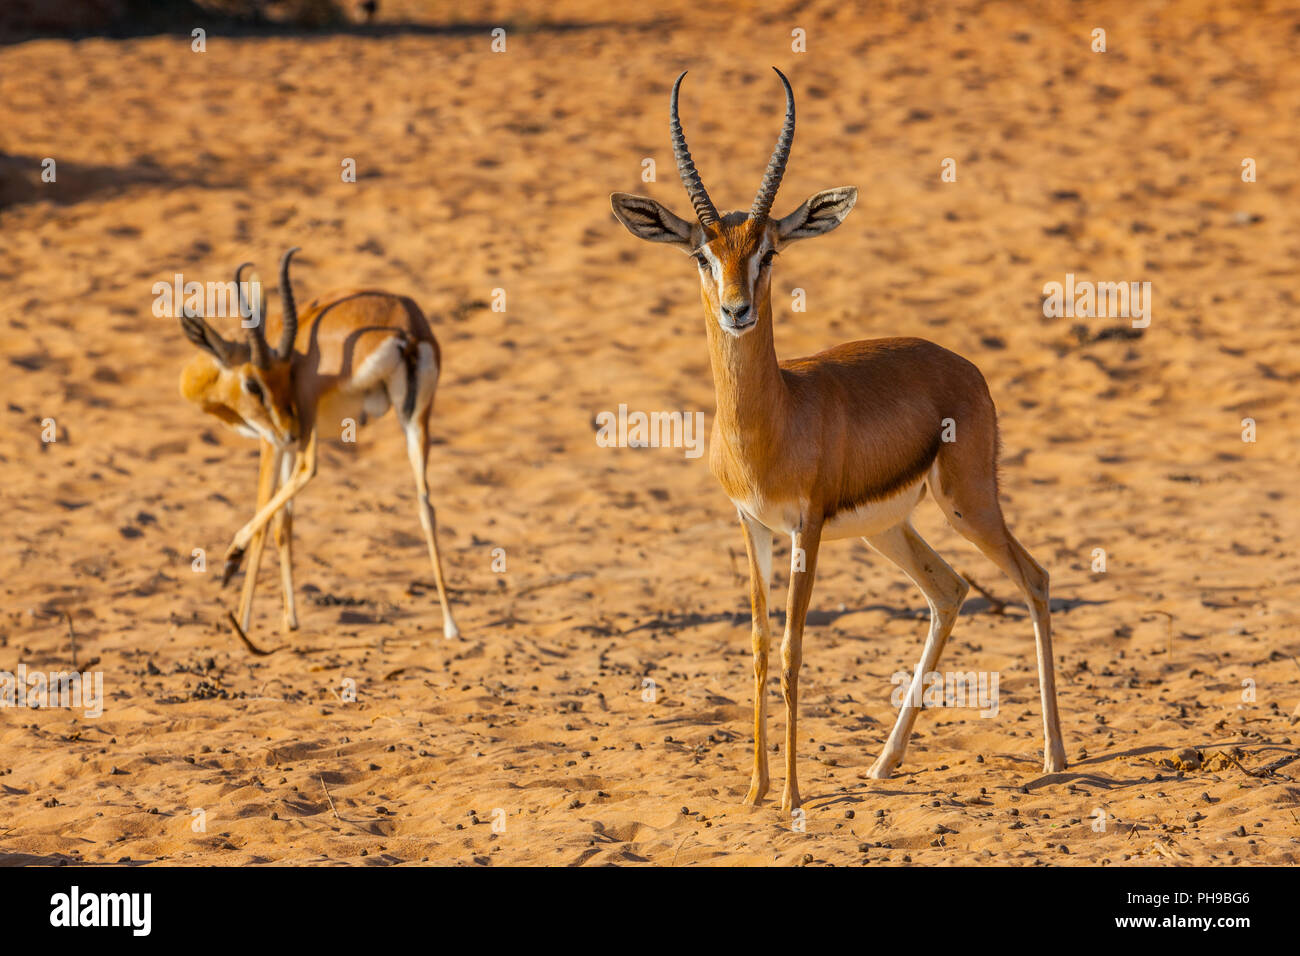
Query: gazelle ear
[
  {"x": 206, "y": 338},
  {"x": 819, "y": 214},
  {"x": 649, "y": 220}
]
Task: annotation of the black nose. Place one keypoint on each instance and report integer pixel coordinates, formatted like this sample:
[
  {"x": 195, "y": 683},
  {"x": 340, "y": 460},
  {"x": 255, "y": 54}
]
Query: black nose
[{"x": 736, "y": 312}]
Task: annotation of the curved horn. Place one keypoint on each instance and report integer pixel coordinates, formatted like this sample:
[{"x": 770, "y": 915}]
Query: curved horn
[
  {"x": 704, "y": 208},
  {"x": 260, "y": 352},
  {"x": 780, "y": 155},
  {"x": 289, "y": 311}
]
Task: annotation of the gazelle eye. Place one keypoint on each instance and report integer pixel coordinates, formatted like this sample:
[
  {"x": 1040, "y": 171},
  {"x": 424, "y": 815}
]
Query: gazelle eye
[
  {"x": 253, "y": 388},
  {"x": 768, "y": 257},
  {"x": 700, "y": 261}
]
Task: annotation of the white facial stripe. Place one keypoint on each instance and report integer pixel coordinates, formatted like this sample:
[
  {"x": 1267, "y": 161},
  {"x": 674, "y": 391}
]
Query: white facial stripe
[
  {"x": 749, "y": 279},
  {"x": 752, "y": 277},
  {"x": 715, "y": 265}
]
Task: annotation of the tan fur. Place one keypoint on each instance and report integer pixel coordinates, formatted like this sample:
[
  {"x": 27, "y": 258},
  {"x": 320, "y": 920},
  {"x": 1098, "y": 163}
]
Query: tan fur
[
  {"x": 337, "y": 334},
  {"x": 840, "y": 443},
  {"x": 219, "y": 392},
  {"x": 355, "y": 351}
]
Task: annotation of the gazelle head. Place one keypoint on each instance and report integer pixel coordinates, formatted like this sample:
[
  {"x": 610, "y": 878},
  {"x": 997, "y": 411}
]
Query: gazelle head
[
  {"x": 248, "y": 385},
  {"x": 734, "y": 251}
]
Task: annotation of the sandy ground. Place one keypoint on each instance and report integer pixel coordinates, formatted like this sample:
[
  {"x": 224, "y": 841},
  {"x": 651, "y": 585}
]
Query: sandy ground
[{"x": 482, "y": 171}]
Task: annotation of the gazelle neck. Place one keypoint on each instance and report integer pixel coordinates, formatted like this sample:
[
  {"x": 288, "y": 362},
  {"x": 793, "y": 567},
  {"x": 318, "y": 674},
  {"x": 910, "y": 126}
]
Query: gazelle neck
[{"x": 751, "y": 393}]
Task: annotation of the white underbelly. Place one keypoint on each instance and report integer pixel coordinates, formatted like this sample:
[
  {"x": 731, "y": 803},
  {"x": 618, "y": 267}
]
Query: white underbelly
[
  {"x": 869, "y": 518},
  {"x": 873, "y": 517},
  {"x": 375, "y": 403},
  {"x": 358, "y": 406},
  {"x": 365, "y": 394}
]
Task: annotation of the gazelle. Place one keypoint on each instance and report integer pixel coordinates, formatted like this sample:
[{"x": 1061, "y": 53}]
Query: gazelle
[
  {"x": 839, "y": 444},
  {"x": 354, "y": 353}
]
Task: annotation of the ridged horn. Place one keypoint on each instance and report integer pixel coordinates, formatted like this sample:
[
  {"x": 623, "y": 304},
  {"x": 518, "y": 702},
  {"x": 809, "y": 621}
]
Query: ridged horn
[
  {"x": 260, "y": 352},
  {"x": 289, "y": 310},
  {"x": 705, "y": 211},
  {"x": 780, "y": 156}
]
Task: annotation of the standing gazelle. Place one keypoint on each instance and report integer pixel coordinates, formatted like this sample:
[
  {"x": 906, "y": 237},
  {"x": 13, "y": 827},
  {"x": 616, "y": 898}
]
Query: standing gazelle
[
  {"x": 354, "y": 353},
  {"x": 839, "y": 444}
]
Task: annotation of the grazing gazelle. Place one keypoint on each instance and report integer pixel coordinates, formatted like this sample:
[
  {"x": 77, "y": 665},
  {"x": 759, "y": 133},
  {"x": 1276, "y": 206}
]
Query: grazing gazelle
[
  {"x": 354, "y": 353},
  {"x": 839, "y": 444}
]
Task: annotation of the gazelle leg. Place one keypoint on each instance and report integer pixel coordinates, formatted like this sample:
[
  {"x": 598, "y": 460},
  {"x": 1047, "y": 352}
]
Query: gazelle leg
[
  {"x": 268, "y": 468},
  {"x": 1032, "y": 580},
  {"x": 944, "y": 590},
  {"x": 417, "y": 448},
  {"x": 303, "y": 473},
  {"x": 803, "y": 571},
  {"x": 284, "y": 542},
  {"x": 758, "y": 545},
  {"x": 973, "y": 509}
]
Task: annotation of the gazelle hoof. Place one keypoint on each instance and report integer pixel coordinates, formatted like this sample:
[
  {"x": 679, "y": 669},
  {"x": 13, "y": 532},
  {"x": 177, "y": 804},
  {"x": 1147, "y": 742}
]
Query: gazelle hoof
[
  {"x": 1054, "y": 762},
  {"x": 234, "y": 558},
  {"x": 450, "y": 631},
  {"x": 757, "y": 791},
  {"x": 881, "y": 770}
]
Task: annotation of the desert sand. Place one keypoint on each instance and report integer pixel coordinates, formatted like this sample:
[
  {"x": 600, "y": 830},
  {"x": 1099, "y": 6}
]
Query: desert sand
[{"x": 482, "y": 171}]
